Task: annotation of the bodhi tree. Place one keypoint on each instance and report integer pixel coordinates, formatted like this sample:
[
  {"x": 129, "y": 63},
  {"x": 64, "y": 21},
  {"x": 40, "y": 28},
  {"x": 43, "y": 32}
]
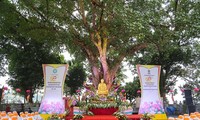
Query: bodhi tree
[{"x": 105, "y": 32}]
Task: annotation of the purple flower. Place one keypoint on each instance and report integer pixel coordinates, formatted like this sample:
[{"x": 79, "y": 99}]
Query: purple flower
[
  {"x": 116, "y": 90},
  {"x": 123, "y": 91},
  {"x": 5, "y": 88},
  {"x": 74, "y": 102}
]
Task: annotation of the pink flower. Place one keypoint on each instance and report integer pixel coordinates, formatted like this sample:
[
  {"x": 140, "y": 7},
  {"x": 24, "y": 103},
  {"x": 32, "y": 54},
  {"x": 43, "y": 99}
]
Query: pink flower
[
  {"x": 182, "y": 90},
  {"x": 5, "y": 88},
  {"x": 74, "y": 102},
  {"x": 78, "y": 91},
  {"x": 18, "y": 90},
  {"x": 123, "y": 91},
  {"x": 116, "y": 90},
  {"x": 28, "y": 91},
  {"x": 171, "y": 91},
  {"x": 196, "y": 89},
  {"x": 138, "y": 91},
  {"x": 64, "y": 98}
]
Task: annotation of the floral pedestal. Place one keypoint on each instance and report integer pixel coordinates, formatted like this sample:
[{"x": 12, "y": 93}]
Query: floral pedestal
[{"x": 103, "y": 111}]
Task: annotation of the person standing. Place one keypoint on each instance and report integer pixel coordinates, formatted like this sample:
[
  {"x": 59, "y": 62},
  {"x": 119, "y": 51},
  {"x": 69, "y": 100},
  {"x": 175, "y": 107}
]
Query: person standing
[{"x": 7, "y": 108}]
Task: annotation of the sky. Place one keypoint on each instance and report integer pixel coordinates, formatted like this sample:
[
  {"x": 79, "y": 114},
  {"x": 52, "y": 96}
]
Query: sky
[{"x": 129, "y": 78}]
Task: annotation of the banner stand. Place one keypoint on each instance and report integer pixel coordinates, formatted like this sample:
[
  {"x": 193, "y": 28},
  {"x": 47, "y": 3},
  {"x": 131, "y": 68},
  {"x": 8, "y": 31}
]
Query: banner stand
[
  {"x": 150, "y": 94},
  {"x": 54, "y": 77}
]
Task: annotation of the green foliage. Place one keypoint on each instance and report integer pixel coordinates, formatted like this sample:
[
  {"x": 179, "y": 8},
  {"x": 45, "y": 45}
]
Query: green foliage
[
  {"x": 131, "y": 89},
  {"x": 75, "y": 77},
  {"x": 191, "y": 73},
  {"x": 3, "y": 63},
  {"x": 25, "y": 65},
  {"x": 102, "y": 104},
  {"x": 172, "y": 42}
]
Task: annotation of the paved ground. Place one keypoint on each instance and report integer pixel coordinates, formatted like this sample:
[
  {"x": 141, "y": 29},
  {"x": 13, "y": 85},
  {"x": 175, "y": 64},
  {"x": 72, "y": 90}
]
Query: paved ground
[{"x": 175, "y": 116}]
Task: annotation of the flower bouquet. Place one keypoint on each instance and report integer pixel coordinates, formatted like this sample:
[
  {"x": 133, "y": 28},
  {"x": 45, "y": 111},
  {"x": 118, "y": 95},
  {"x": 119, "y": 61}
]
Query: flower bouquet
[
  {"x": 120, "y": 116},
  {"x": 147, "y": 116},
  {"x": 77, "y": 117},
  {"x": 56, "y": 117}
]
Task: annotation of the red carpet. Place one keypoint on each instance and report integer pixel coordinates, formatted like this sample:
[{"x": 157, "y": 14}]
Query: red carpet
[
  {"x": 106, "y": 117},
  {"x": 100, "y": 117}
]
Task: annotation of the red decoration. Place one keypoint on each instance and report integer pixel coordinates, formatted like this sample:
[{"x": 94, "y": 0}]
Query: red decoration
[
  {"x": 5, "y": 88},
  {"x": 103, "y": 111},
  {"x": 138, "y": 91},
  {"x": 64, "y": 98},
  {"x": 78, "y": 91},
  {"x": 171, "y": 91},
  {"x": 196, "y": 89},
  {"x": 18, "y": 90},
  {"x": 28, "y": 91}
]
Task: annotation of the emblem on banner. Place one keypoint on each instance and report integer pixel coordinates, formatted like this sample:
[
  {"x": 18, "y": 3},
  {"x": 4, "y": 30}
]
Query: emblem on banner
[
  {"x": 53, "y": 78},
  {"x": 148, "y": 79},
  {"x": 54, "y": 70}
]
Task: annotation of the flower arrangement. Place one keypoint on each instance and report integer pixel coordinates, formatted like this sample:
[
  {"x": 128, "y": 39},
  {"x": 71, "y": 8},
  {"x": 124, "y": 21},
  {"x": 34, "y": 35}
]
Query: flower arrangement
[
  {"x": 147, "y": 116},
  {"x": 72, "y": 101},
  {"x": 99, "y": 104},
  {"x": 90, "y": 113},
  {"x": 55, "y": 117},
  {"x": 78, "y": 117},
  {"x": 120, "y": 116}
]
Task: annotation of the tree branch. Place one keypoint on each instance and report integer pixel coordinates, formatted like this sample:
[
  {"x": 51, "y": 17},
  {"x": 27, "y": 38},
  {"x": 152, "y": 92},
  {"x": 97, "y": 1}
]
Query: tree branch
[
  {"x": 36, "y": 10},
  {"x": 82, "y": 13},
  {"x": 128, "y": 52}
]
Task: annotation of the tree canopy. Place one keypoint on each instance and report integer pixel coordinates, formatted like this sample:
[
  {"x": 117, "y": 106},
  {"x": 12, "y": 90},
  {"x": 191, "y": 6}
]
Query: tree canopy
[
  {"x": 75, "y": 77},
  {"x": 25, "y": 66},
  {"x": 132, "y": 89}
]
